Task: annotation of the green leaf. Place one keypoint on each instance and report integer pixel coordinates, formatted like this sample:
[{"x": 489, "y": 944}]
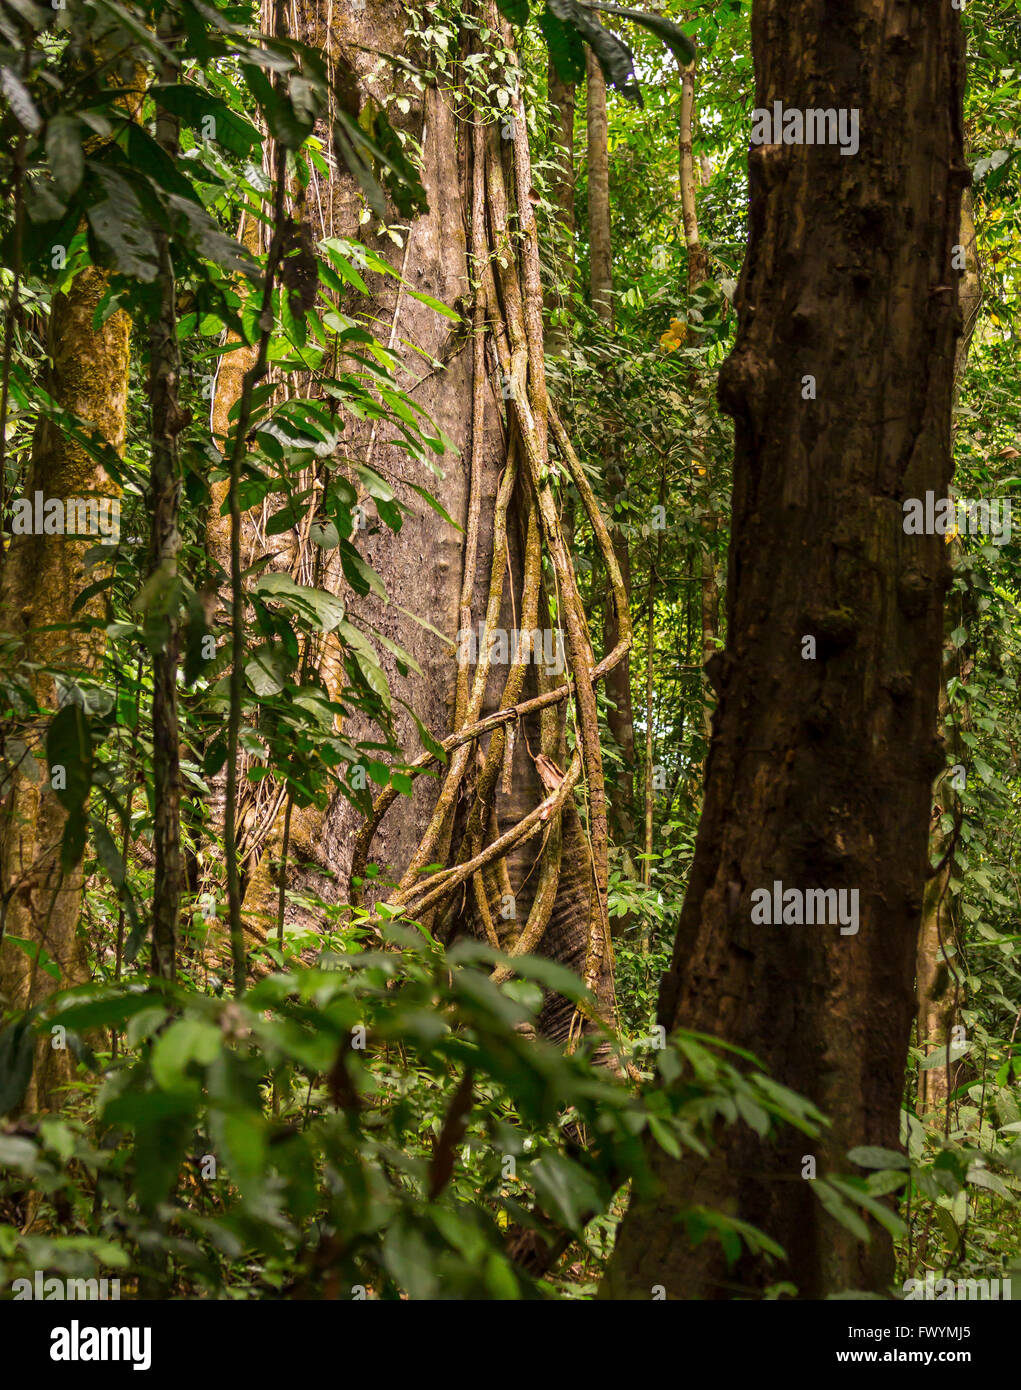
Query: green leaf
[
  {"x": 335, "y": 250},
  {"x": 429, "y": 743},
  {"x": 437, "y": 507},
  {"x": 108, "y": 1011},
  {"x": 110, "y": 858},
  {"x": 160, "y": 1147},
  {"x": 877, "y": 1209},
  {"x": 326, "y": 536},
  {"x": 286, "y": 518},
  {"x": 404, "y": 658},
  {"x": 366, "y": 660},
  {"x": 672, "y": 34},
  {"x": 566, "y": 1191},
  {"x": 285, "y": 124},
  {"x": 144, "y": 153},
  {"x": 325, "y": 610},
  {"x": 870, "y": 1156},
  {"x": 400, "y": 177},
  {"x": 196, "y": 107},
  {"x": 982, "y": 1177},
  {"x": 839, "y": 1209},
  {"x": 553, "y": 976},
  {"x": 20, "y": 101},
  {"x": 36, "y": 951},
  {"x": 939, "y": 1057},
  {"x": 409, "y": 1261},
  {"x": 64, "y": 153},
  {"x": 514, "y": 10},
  {"x": 361, "y": 576},
  {"x": 107, "y": 853},
  {"x": 242, "y": 1138},
  {"x": 565, "y": 47},
  {"x": 122, "y": 230},
  {"x": 350, "y": 146},
  {"x": 16, "y": 1152},
  {"x": 436, "y": 304},
  {"x": 17, "y": 1049},
  {"x": 615, "y": 58},
  {"x": 69, "y": 746},
  {"x": 268, "y": 669},
  {"x": 186, "y": 1041}
]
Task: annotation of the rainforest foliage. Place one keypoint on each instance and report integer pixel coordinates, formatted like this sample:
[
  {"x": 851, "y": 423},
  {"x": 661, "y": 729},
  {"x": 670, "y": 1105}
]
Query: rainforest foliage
[{"x": 366, "y": 503}]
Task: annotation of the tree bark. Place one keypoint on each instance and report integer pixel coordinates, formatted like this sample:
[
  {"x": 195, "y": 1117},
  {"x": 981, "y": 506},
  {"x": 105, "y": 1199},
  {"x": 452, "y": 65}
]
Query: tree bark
[
  {"x": 164, "y": 547},
  {"x": 476, "y": 249},
  {"x": 562, "y": 102},
  {"x": 698, "y": 262},
  {"x": 600, "y": 247},
  {"x": 820, "y": 771},
  {"x": 42, "y": 578}
]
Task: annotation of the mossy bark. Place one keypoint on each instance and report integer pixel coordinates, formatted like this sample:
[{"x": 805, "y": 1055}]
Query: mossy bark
[{"x": 43, "y": 575}]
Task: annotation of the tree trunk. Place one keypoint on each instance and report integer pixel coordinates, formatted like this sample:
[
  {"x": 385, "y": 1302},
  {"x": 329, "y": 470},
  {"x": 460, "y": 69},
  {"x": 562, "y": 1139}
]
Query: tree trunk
[
  {"x": 698, "y": 262},
  {"x": 477, "y": 179},
  {"x": 562, "y": 101},
  {"x": 600, "y": 249},
  {"x": 164, "y": 547},
  {"x": 42, "y": 578},
  {"x": 820, "y": 770}
]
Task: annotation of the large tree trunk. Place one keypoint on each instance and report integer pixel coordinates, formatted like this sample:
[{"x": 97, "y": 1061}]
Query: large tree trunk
[
  {"x": 477, "y": 179},
  {"x": 43, "y": 576},
  {"x": 820, "y": 769}
]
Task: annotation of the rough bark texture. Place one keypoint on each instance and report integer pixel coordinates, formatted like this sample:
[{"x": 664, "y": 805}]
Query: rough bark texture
[
  {"x": 698, "y": 263},
  {"x": 820, "y": 770},
  {"x": 420, "y": 567},
  {"x": 43, "y": 576},
  {"x": 600, "y": 252},
  {"x": 164, "y": 547},
  {"x": 476, "y": 184},
  {"x": 562, "y": 101}
]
